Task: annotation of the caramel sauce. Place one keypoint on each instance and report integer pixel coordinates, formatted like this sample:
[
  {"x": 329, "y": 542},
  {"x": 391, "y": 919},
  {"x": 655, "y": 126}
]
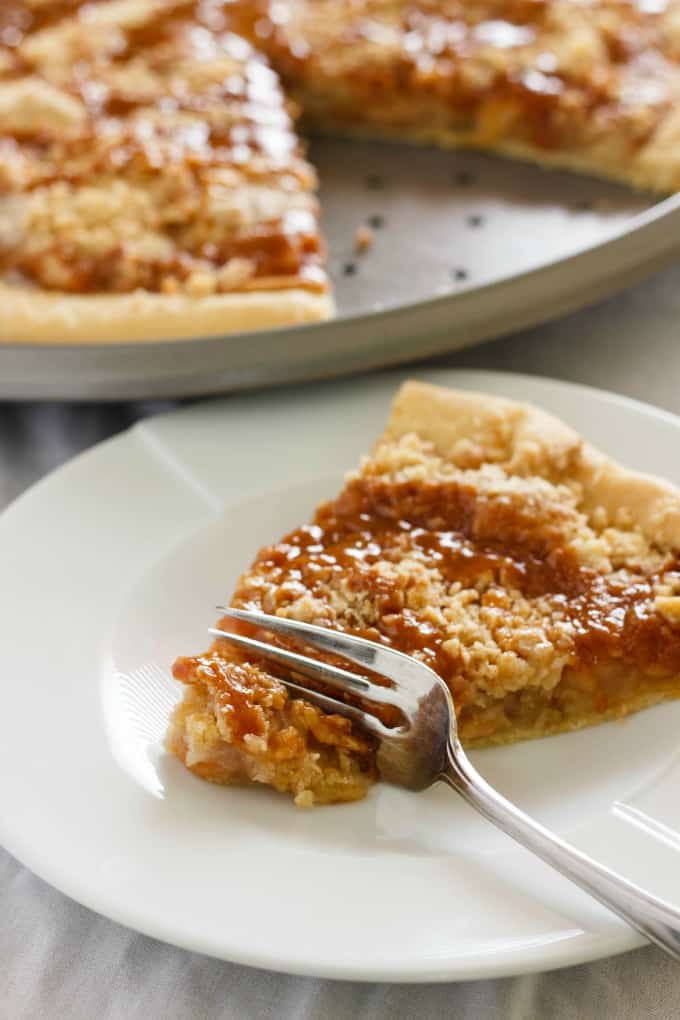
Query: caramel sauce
[
  {"x": 17, "y": 19},
  {"x": 429, "y": 49},
  {"x": 237, "y": 686},
  {"x": 251, "y": 132},
  {"x": 275, "y": 254},
  {"x": 449, "y": 54},
  {"x": 466, "y": 539}
]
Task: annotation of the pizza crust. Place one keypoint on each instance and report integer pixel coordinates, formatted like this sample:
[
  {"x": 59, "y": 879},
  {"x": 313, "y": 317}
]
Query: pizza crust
[
  {"x": 525, "y": 440},
  {"x": 636, "y": 703},
  {"x": 35, "y": 317}
]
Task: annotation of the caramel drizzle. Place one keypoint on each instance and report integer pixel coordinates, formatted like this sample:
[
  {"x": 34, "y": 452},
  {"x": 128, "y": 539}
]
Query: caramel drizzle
[
  {"x": 437, "y": 42},
  {"x": 465, "y": 538},
  {"x": 253, "y": 135}
]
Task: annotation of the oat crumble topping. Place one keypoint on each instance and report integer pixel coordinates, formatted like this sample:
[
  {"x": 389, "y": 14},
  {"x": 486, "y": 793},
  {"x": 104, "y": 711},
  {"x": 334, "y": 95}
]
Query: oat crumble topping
[{"x": 146, "y": 144}]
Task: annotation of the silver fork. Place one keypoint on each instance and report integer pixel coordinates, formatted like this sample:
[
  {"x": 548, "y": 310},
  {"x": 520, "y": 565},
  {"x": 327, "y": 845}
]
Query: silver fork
[{"x": 426, "y": 749}]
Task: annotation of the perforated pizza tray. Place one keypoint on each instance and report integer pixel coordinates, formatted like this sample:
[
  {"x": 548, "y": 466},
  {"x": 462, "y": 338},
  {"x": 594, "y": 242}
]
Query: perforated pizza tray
[{"x": 465, "y": 247}]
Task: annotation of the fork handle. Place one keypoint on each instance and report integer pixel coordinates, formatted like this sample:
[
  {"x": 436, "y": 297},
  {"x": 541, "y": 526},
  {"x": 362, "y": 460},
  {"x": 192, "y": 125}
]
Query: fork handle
[{"x": 652, "y": 917}]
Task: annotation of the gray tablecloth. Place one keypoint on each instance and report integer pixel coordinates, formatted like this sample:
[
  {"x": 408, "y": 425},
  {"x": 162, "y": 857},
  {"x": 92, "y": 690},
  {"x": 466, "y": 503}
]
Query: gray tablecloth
[{"x": 59, "y": 960}]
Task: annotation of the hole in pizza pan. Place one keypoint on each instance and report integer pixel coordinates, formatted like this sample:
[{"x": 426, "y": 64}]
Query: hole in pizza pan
[
  {"x": 475, "y": 220},
  {"x": 349, "y": 269},
  {"x": 459, "y": 273},
  {"x": 376, "y": 222},
  {"x": 463, "y": 178},
  {"x": 527, "y": 219}
]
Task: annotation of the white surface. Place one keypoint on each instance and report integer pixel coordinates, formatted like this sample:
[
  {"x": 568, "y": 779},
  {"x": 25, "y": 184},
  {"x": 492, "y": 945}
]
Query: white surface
[
  {"x": 532, "y": 243},
  {"x": 116, "y": 562}
]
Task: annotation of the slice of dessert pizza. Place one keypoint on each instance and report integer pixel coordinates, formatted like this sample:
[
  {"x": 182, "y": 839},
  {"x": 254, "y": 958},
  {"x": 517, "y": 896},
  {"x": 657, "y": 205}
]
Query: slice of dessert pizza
[
  {"x": 151, "y": 181},
  {"x": 539, "y": 578}
]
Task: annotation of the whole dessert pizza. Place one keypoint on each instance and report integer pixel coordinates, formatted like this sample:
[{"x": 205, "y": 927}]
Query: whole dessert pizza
[
  {"x": 152, "y": 181},
  {"x": 537, "y": 577}
]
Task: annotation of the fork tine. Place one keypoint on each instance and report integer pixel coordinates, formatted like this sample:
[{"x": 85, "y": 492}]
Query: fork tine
[
  {"x": 334, "y": 676},
  {"x": 332, "y": 705},
  {"x": 386, "y": 661}
]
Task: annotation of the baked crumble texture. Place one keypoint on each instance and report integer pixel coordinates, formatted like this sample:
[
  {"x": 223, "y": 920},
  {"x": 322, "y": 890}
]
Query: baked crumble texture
[
  {"x": 237, "y": 724},
  {"x": 590, "y": 85},
  {"x": 539, "y": 579},
  {"x": 149, "y": 167}
]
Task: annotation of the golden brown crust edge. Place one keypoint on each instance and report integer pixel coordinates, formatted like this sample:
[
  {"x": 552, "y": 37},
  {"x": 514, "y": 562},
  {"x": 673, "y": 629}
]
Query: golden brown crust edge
[
  {"x": 526, "y": 440},
  {"x": 37, "y": 317},
  {"x": 656, "y": 168}
]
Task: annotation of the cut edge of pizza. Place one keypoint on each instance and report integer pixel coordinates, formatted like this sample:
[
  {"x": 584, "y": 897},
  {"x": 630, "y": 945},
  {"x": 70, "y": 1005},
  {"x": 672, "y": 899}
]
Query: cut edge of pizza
[
  {"x": 537, "y": 576},
  {"x": 152, "y": 185},
  {"x": 592, "y": 88}
]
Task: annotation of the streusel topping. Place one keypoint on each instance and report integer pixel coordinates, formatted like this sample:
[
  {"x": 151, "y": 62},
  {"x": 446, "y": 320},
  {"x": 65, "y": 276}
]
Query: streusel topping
[
  {"x": 552, "y": 74},
  {"x": 145, "y": 144},
  {"x": 497, "y": 581},
  {"x": 238, "y": 724}
]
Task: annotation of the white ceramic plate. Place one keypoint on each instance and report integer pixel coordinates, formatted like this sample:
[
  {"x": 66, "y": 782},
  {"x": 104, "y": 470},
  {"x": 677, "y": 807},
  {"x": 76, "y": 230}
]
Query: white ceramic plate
[
  {"x": 112, "y": 566},
  {"x": 468, "y": 247}
]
